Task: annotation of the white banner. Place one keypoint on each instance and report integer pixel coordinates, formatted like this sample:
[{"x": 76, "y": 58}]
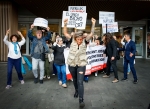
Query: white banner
[
  {"x": 75, "y": 19},
  {"x": 111, "y": 28},
  {"x": 81, "y": 9},
  {"x": 95, "y": 58},
  {"x": 40, "y": 22},
  {"x": 106, "y": 17}
]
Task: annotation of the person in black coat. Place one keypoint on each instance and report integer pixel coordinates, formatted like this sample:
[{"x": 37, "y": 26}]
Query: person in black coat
[{"x": 111, "y": 52}]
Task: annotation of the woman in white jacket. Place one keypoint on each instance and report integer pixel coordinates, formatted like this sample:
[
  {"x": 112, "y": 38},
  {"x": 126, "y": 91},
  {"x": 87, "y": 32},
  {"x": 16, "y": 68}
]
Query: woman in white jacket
[{"x": 14, "y": 56}]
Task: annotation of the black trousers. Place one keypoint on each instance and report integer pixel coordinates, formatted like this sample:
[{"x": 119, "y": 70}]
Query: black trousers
[
  {"x": 78, "y": 77},
  {"x": 114, "y": 66}
]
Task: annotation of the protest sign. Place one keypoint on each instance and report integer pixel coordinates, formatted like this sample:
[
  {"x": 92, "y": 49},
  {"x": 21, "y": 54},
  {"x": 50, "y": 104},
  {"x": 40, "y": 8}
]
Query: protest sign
[
  {"x": 75, "y": 19},
  {"x": 95, "y": 59},
  {"x": 81, "y": 9},
  {"x": 106, "y": 17},
  {"x": 111, "y": 28},
  {"x": 40, "y": 22}
]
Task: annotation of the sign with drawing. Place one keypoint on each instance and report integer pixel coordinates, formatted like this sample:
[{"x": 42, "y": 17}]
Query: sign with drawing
[
  {"x": 111, "y": 28},
  {"x": 81, "y": 9},
  {"x": 75, "y": 19},
  {"x": 106, "y": 17}
]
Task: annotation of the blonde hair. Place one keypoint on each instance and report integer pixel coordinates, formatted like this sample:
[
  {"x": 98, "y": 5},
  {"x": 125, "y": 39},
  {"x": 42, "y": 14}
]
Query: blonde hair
[{"x": 78, "y": 34}]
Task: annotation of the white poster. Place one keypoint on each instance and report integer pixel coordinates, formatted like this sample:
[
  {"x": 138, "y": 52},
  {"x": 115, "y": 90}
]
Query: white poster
[
  {"x": 106, "y": 17},
  {"x": 40, "y": 22},
  {"x": 75, "y": 19},
  {"x": 81, "y": 9},
  {"x": 111, "y": 28}
]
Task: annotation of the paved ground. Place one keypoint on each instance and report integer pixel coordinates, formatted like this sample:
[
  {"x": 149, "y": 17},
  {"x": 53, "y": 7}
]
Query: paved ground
[{"x": 100, "y": 93}]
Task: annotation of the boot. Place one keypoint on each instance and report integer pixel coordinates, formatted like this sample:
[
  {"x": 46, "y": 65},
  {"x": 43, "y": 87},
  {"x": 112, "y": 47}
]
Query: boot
[
  {"x": 76, "y": 94},
  {"x": 81, "y": 103},
  {"x": 41, "y": 81},
  {"x": 36, "y": 80}
]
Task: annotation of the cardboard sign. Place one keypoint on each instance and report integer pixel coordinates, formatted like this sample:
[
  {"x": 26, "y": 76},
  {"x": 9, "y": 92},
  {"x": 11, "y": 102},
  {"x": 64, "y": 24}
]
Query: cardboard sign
[
  {"x": 81, "y": 9},
  {"x": 40, "y": 22},
  {"x": 75, "y": 19},
  {"x": 111, "y": 28},
  {"x": 106, "y": 17}
]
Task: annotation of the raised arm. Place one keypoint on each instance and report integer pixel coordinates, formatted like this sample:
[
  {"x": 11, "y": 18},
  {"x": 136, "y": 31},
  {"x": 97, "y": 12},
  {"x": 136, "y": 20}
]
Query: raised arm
[
  {"x": 68, "y": 36},
  {"x": 89, "y": 36},
  {"x": 22, "y": 42},
  {"x": 49, "y": 34},
  {"x": 30, "y": 33},
  {"x": 5, "y": 38},
  {"x": 123, "y": 43}
]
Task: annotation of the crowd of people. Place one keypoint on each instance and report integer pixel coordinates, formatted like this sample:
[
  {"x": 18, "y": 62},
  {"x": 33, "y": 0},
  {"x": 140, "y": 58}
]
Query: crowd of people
[{"x": 44, "y": 51}]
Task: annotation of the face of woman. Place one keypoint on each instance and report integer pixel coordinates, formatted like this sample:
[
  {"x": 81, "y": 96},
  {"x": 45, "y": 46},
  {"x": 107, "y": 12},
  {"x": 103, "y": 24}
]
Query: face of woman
[
  {"x": 103, "y": 39},
  {"x": 60, "y": 42},
  {"x": 14, "y": 39},
  {"x": 79, "y": 40}
]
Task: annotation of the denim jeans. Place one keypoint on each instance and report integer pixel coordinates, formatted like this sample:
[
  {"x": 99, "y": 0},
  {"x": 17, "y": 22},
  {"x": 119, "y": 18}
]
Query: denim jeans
[
  {"x": 17, "y": 64},
  {"x": 61, "y": 73},
  {"x": 35, "y": 63},
  {"x": 78, "y": 76}
]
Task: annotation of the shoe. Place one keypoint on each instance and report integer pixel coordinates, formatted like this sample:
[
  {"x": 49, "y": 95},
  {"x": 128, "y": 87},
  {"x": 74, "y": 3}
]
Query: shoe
[
  {"x": 124, "y": 79},
  {"x": 41, "y": 81},
  {"x": 53, "y": 74},
  {"x": 60, "y": 83},
  {"x": 8, "y": 86},
  {"x": 95, "y": 74},
  {"x": 36, "y": 80},
  {"x": 115, "y": 81},
  {"x": 76, "y": 94},
  {"x": 105, "y": 76},
  {"x": 81, "y": 103},
  {"x": 44, "y": 77},
  {"x": 48, "y": 77},
  {"x": 128, "y": 73},
  {"x": 135, "y": 81},
  {"x": 22, "y": 81},
  {"x": 64, "y": 86}
]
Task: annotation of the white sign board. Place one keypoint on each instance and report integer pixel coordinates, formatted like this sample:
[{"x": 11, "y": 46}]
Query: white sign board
[
  {"x": 81, "y": 9},
  {"x": 111, "y": 28},
  {"x": 106, "y": 17},
  {"x": 75, "y": 19},
  {"x": 40, "y": 22}
]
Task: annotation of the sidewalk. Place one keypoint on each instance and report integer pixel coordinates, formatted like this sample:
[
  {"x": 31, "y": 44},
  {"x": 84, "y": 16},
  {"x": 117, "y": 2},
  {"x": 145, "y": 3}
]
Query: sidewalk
[{"x": 100, "y": 93}]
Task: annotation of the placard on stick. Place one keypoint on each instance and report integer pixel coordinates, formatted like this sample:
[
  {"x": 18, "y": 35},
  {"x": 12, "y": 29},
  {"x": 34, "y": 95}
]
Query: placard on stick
[
  {"x": 75, "y": 19},
  {"x": 111, "y": 28},
  {"x": 81, "y": 9}
]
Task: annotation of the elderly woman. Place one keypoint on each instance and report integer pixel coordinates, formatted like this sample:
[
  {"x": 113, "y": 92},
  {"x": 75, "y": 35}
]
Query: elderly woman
[
  {"x": 77, "y": 59},
  {"x": 14, "y": 56}
]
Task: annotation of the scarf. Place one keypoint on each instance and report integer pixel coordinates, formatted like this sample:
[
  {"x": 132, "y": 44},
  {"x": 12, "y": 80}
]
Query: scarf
[{"x": 15, "y": 47}]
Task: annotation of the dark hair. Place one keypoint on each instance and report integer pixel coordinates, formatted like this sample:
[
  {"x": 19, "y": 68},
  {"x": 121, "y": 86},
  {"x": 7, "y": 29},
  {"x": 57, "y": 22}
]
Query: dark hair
[
  {"x": 128, "y": 34},
  {"x": 14, "y": 35},
  {"x": 108, "y": 37}
]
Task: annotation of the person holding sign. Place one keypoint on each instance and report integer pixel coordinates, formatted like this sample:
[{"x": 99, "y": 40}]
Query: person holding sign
[
  {"x": 111, "y": 52},
  {"x": 14, "y": 56},
  {"x": 38, "y": 50},
  {"x": 77, "y": 59}
]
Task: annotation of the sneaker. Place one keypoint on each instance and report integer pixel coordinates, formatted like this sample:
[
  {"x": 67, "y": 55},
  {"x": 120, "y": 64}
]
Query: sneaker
[
  {"x": 128, "y": 73},
  {"x": 22, "y": 81},
  {"x": 53, "y": 74},
  {"x": 60, "y": 83},
  {"x": 64, "y": 86},
  {"x": 95, "y": 74},
  {"x": 44, "y": 77},
  {"x": 115, "y": 81},
  {"x": 105, "y": 76},
  {"x": 41, "y": 81},
  {"x": 135, "y": 81},
  {"x": 48, "y": 77},
  {"x": 81, "y": 103},
  {"x": 36, "y": 80},
  {"x": 8, "y": 86},
  {"x": 124, "y": 79}
]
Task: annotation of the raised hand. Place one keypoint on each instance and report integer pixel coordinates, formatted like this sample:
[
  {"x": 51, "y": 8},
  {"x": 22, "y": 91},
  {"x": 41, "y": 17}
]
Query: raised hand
[
  {"x": 65, "y": 21},
  {"x": 8, "y": 31},
  {"x": 48, "y": 28},
  {"x": 32, "y": 26},
  {"x": 19, "y": 33},
  {"x": 93, "y": 20}
]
